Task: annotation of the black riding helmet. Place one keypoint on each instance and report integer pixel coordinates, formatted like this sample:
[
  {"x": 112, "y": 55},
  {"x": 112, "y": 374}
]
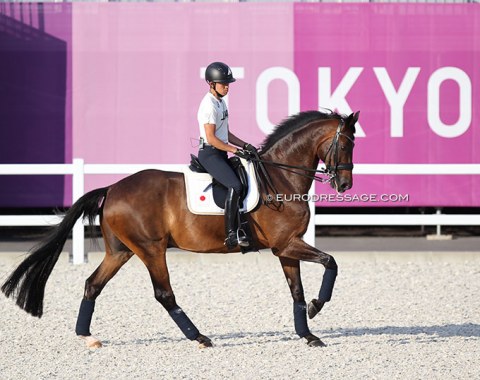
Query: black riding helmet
[{"x": 219, "y": 72}]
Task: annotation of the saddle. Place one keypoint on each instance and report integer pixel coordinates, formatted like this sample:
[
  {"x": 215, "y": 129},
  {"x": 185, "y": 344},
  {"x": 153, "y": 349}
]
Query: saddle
[
  {"x": 220, "y": 191},
  {"x": 206, "y": 196}
]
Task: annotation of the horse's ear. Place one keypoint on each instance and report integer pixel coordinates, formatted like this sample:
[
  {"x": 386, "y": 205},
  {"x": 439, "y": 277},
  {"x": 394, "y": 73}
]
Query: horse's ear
[
  {"x": 352, "y": 118},
  {"x": 355, "y": 117}
]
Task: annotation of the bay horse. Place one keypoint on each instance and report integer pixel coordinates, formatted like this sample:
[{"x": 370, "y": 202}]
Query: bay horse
[{"x": 146, "y": 213}]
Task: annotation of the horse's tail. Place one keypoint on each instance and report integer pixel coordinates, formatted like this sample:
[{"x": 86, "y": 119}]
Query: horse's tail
[{"x": 27, "y": 282}]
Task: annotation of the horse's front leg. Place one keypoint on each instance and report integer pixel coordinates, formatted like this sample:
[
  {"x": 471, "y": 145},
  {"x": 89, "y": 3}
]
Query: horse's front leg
[
  {"x": 299, "y": 250},
  {"x": 291, "y": 269}
]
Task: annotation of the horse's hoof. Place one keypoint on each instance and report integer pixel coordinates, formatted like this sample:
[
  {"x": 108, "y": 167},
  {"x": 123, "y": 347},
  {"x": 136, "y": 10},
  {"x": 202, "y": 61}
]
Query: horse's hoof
[
  {"x": 205, "y": 345},
  {"x": 204, "y": 342},
  {"x": 316, "y": 343},
  {"x": 91, "y": 341},
  {"x": 314, "y": 307}
]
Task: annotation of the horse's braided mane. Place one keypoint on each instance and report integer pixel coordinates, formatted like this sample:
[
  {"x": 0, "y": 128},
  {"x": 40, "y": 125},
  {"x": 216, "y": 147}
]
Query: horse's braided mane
[{"x": 295, "y": 122}]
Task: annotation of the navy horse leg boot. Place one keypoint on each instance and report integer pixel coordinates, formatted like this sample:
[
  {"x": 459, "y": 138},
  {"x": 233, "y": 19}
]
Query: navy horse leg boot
[{"x": 234, "y": 238}]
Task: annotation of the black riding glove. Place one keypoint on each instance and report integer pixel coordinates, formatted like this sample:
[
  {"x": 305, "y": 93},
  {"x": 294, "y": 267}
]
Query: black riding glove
[
  {"x": 250, "y": 148},
  {"x": 242, "y": 154}
]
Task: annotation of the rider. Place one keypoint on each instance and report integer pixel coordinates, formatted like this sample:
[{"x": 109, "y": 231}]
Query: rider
[{"x": 216, "y": 140}]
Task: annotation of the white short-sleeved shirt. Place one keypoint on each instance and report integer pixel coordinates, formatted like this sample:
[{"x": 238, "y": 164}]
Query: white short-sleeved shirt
[{"x": 213, "y": 111}]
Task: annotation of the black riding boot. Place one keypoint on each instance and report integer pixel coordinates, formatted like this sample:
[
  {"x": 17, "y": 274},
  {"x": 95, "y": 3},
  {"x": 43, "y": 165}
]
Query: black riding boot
[{"x": 234, "y": 238}]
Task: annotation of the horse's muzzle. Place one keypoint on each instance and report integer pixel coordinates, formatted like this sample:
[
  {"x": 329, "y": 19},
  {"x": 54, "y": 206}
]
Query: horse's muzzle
[{"x": 342, "y": 184}]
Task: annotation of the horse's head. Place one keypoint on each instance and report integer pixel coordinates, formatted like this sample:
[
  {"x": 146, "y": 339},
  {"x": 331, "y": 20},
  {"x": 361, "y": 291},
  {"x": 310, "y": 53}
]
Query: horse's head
[
  {"x": 337, "y": 152},
  {"x": 304, "y": 139}
]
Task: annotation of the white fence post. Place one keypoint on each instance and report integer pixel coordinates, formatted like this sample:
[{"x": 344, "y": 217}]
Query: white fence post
[
  {"x": 78, "y": 233},
  {"x": 309, "y": 236}
]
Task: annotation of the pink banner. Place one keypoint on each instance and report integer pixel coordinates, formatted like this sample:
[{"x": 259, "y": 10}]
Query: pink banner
[
  {"x": 138, "y": 80},
  {"x": 411, "y": 69}
]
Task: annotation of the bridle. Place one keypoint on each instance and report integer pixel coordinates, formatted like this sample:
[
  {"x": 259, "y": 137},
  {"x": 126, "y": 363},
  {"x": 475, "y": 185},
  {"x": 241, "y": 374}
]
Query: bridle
[
  {"x": 333, "y": 150},
  {"x": 330, "y": 171}
]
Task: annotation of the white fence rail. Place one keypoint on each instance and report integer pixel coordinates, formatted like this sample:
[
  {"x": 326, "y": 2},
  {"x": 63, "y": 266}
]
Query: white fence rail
[{"x": 78, "y": 169}]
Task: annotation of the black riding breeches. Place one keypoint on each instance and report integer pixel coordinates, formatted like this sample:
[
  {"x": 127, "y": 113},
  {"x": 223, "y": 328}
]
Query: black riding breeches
[{"x": 215, "y": 161}]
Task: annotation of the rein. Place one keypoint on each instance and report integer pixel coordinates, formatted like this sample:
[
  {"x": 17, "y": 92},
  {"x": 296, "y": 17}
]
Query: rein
[{"x": 330, "y": 171}]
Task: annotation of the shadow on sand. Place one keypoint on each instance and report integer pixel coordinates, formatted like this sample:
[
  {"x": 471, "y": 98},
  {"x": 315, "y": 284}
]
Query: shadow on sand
[
  {"x": 465, "y": 330},
  {"x": 399, "y": 335}
]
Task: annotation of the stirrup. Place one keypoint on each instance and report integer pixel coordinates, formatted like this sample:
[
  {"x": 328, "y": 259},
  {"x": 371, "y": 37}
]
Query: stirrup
[
  {"x": 242, "y": 238},
  {"x": 237, "y": 238}
]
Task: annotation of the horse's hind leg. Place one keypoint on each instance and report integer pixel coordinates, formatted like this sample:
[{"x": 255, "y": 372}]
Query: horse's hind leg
[
  {"x": 157, "y": 267},
  {"x": 116, "y": 255}
]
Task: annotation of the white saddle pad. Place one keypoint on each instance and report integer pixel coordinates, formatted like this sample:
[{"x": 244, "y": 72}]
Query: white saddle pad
[{"x": 200, "y": 199}]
